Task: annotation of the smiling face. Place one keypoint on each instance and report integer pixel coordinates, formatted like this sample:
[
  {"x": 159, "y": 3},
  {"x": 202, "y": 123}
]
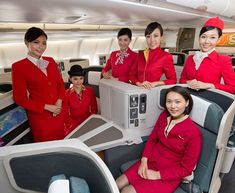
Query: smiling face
[
  {"x": 124, "y": 42},
  {"x": 154, "y": 39},
  {"x": 208, "y": 40},
  {"x": 77, "y": 81},
  {"x": 176, "y": 104},
  {"x": 37, "y": 47}
]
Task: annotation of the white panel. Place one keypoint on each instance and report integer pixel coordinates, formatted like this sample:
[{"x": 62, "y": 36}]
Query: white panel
[
  {"x": 139, "y": 43},
  {"x": 114, "y": 45},
  {"x": 115, "y": 97},
  {"x": 175, "y": 59},
  {"x": 94, "y": 77},
  {"x": 59, "y": 186},
  {"x": 170, "y": 38},
  {"x": 213, "y": 6},
  {"x": 230, "y": 10},
  {"x": 11, "y": 53},
  {"x": 68, "y": 49},
  {"x": 52, "y": 50},
  {"x": 103, "y": 45},
  {"x": 88, "y": 50},
  {"x": 103, "y": 49},
  {"x": 201, "y": 106}
]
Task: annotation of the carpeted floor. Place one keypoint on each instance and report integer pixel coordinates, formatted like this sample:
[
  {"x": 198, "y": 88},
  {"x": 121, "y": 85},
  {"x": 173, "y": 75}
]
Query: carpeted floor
[{"x": 228, "y": 182}]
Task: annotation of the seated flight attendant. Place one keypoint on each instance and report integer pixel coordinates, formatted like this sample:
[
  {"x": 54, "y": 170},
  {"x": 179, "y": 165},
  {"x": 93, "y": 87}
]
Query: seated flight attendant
[
  {"x": 39, "y": 88},
  {"x": 206, "y": 68},
  {"x": 153, "y": 62},
  {"x": 171, "y": 152},
  {"x": 120, "y": 61},
  {"x": 80, "y": 100}
]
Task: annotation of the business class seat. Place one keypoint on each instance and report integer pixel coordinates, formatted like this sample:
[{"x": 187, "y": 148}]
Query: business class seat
[
  {"x": 179, "y": 60},
  {"x": 224, "y": 100},
  {"x": 233, "y": 62},
  {"x": 5, "y": 87},
  {"x": 29, "y": 168},
  {"x": 215, "y": 125},
  {"x": 92, "y": 77},
  {"x": 189, "y": 50}
]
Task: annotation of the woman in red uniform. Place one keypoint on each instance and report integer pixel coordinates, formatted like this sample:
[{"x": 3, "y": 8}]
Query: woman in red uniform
[
  {"x": 39, "y": 88},
  {"x": 153, "y": 62},
  {"x": 80, "y": 100},
  {"x": 171, "y": 152},
  {"x": 206, "y": 68},
  {"x": 120, "y": 61}
]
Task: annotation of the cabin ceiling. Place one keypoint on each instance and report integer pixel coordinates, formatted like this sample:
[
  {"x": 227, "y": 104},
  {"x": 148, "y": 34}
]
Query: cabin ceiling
[{"x": 97, "y": 15}]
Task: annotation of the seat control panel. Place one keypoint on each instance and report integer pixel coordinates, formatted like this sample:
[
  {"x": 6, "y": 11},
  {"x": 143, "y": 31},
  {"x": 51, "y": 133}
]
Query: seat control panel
[
  {"x": 137, "y": 109},
  {"x": 143, "y": 100}
]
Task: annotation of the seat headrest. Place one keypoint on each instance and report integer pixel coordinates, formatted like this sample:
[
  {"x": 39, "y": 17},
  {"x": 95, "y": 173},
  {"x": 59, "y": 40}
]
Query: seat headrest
[
  {"x": 205, "y": 113},
  {"x": 59, "y": 184},
  {"x": 94, "y": 77}
]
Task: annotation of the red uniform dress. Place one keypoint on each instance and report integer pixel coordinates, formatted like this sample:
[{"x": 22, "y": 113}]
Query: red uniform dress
[
  {"x": 211, "y": 70},
  {"x": 79, "y": 108},
  {"x": 152, "y": 67},
  {"x": 174, "y": 156},
  {"x": 120, "y": 64},
  {"x": 32, "y": 89}
]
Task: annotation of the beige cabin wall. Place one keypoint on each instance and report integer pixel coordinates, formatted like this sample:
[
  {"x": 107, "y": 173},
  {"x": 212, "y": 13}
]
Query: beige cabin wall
[{"x": 68, "y": 49}]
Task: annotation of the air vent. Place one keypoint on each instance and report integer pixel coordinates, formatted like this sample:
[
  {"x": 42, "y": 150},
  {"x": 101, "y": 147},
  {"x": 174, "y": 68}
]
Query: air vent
[{"x": 70, "y": 19}]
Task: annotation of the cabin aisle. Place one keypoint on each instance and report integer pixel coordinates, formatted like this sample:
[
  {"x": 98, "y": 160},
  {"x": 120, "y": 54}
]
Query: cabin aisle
[{"x": 228, "y": 182}]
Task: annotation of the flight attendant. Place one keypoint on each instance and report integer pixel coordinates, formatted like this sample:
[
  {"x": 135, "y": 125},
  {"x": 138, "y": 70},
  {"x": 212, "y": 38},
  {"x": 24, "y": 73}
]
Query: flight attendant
[
  {"x": 80, "y": 100},
  {"x": 39, "y": 88},
  {"x": 206, "y": 68},
  {"x": 153, "y": 62},
  {"x": 171, "y": 152},
  {"x": 120, "y": 61}
]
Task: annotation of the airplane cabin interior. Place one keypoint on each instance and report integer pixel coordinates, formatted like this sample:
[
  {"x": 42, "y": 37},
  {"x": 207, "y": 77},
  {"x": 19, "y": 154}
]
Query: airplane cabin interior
[{"x": 102, "y": 147}]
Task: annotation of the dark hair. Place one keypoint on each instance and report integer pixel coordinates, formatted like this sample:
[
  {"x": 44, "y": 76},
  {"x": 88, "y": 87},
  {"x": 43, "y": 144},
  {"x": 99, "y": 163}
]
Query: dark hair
[
  {"x": 124, "y": 31},
  {"x": 33, "y": 33},
  {"x": 208, "y": 28},
  {"x": 184, "y": 93},
  {"x": 151, "y": 27}
]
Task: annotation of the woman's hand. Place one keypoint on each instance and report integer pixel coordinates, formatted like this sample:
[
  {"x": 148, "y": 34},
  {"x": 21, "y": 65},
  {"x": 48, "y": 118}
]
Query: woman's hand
[
  {"x": 157, "y": 83},
  {"x": 107, "y": 75},
  {"x": 142, "y": 170},
  {"x": 197, "y": 85},
  {"x": 145, "y": 84},
  {"x": 153, "y": 175},
  {"x": 53, "y": 109},
  {"x": 59, "y": 105}
]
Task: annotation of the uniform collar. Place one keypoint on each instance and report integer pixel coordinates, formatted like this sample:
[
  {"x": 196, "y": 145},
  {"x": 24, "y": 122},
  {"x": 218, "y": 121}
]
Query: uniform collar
[
  {"x": 171, "y": 123},
  {"x": 72, "y": 90},
  {"x": 147, "y": 51},
  {"x": 33, "y": 60},
  {"x": 175, "y": 121}
]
